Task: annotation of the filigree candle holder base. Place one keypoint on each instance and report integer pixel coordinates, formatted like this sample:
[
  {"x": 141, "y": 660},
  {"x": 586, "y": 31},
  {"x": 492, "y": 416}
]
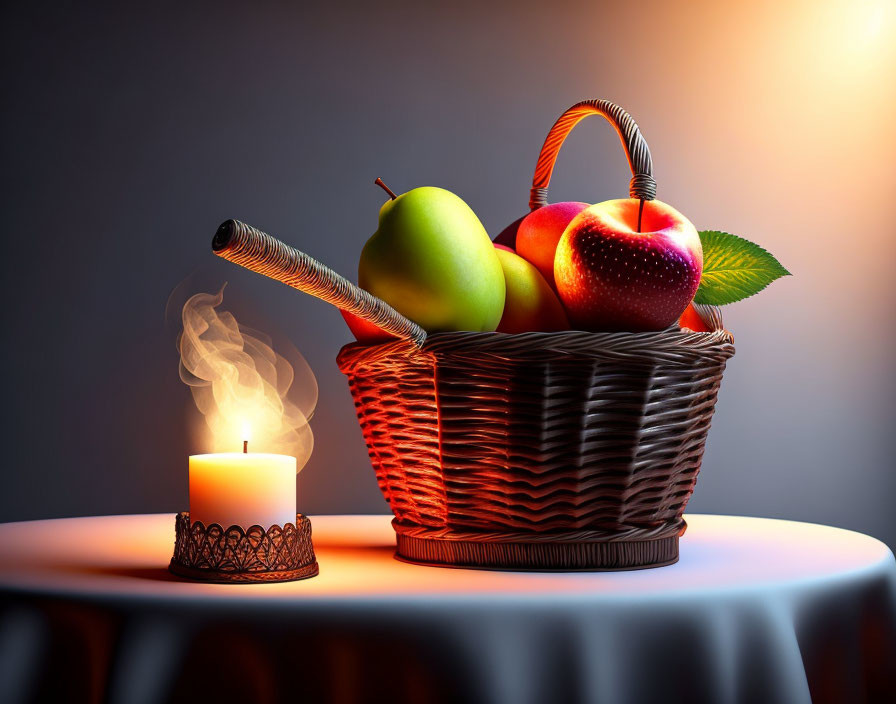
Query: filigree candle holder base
[{"x": 237, "y": 555}]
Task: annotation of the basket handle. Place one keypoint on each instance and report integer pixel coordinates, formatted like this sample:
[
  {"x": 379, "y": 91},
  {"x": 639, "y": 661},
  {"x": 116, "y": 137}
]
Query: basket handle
[
  {"x": 256, "y": 250},
  {"x": 642, "y": 185}
]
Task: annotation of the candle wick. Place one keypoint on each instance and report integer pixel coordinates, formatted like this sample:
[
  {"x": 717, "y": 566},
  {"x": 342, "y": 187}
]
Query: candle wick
[{"x": 245, "y": 447}]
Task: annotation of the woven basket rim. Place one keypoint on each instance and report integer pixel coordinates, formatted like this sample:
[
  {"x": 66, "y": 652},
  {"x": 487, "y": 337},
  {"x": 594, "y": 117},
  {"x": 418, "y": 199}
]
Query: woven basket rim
[{"x": 670, "y": 346}]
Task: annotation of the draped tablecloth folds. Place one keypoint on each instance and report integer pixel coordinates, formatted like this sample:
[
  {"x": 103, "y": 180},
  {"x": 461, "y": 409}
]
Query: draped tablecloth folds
[{"x": 756, "y": 610}]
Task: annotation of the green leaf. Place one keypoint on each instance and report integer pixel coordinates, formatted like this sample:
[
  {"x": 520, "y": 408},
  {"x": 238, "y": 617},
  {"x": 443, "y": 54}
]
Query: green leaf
[{"x": 734, "y": 268}]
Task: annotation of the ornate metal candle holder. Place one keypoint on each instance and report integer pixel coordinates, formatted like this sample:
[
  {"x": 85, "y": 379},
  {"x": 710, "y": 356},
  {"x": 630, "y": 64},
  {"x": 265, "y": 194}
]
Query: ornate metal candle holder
[{"x": 213, "y": 554}]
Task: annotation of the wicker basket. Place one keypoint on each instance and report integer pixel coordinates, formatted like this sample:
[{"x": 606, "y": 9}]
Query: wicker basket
[
  {"x": 538, "y": 451},
  {"x": 564, "y": 450}
]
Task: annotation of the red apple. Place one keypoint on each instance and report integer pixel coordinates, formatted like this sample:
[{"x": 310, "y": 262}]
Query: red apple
[
  {"x": 691, "y": 320},
  {"x": 610, "y": 276},
  {"x": 539, "y": 232},
  {"x": 365, "y": 332},
  {"x": 507, "y": 236}
]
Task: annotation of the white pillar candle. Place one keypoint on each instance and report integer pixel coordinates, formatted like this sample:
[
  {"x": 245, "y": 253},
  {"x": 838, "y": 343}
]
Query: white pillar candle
[{"x": 243, "y": 489}]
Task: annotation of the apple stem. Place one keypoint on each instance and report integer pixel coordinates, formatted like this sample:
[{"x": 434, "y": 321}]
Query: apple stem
[
  {"x": 379, "y": 182},
  {"x": 640, "y": 211}
]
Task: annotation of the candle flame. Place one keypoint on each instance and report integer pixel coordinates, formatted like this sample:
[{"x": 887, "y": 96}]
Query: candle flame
[{"x": 243, "y": 388}]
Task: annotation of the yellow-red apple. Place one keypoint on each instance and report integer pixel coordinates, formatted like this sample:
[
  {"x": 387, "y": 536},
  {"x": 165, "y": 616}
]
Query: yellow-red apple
[{"x": 530, "y": 304}]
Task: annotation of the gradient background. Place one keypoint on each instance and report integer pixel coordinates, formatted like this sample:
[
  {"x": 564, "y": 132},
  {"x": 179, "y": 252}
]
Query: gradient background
[{"x": 127, "y": 136}]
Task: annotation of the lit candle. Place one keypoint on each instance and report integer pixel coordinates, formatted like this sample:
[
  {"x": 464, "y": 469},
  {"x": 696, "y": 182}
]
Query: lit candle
[{"x": 243, "y": 489}]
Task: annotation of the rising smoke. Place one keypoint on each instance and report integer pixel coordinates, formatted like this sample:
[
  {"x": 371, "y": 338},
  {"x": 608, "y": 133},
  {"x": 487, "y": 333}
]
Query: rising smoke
[{"x": 242, "y": 387}]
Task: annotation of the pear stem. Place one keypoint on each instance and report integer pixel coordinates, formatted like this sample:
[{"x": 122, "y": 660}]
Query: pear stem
[
  {"x": 640, "y": 211},
  {"x": 379, "y": 182}
]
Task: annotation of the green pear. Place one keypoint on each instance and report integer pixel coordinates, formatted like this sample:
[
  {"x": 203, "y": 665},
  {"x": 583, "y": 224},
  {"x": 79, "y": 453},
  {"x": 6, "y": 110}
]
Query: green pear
[{"x": 432, "y": 260}]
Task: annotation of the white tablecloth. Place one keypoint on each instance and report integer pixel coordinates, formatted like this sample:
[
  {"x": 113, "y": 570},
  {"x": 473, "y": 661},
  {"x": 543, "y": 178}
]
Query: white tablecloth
[{"x": 755, "y": 611}]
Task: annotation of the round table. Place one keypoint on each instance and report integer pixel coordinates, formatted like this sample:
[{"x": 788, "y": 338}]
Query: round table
[{"x": 756, "y": 610}]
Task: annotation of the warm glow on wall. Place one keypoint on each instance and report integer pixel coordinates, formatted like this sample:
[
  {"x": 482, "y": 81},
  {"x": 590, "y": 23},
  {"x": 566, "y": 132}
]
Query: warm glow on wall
[
  {"x": 876, "y": 20},
  {"x": 848, "y": 39}
]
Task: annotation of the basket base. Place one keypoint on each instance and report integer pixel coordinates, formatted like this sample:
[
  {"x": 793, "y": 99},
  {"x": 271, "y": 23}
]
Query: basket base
[{"x": 541, "y": 556}]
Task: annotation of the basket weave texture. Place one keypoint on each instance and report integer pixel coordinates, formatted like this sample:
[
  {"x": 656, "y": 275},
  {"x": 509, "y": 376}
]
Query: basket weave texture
[{"x": 540, "y": 437}]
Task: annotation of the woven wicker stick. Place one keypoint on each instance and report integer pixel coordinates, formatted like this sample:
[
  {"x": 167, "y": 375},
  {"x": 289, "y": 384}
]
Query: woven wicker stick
[{"x": 256, "y": 250}]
